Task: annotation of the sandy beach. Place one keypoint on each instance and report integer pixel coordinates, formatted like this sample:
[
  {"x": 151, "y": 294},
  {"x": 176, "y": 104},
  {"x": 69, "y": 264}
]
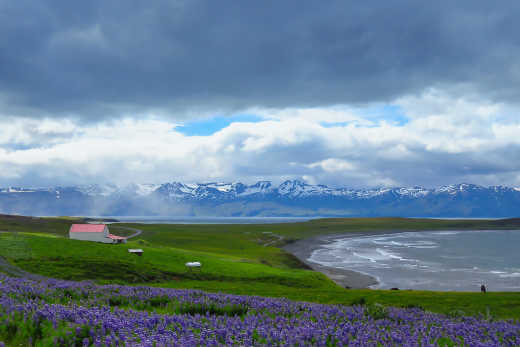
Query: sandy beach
[{"x": 303, "y": 249}]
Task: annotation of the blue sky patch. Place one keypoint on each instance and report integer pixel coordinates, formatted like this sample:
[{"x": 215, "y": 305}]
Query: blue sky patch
[
  {"x": 393, "y": 114},
  {"x": 336, "y": 124},
  {"x": 209, "y": 126}
]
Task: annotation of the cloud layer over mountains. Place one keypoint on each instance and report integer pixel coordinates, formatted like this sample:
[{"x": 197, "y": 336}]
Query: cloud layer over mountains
[
  {"x": 346, "y": 93},
  {"x": 460, "y": 142}
]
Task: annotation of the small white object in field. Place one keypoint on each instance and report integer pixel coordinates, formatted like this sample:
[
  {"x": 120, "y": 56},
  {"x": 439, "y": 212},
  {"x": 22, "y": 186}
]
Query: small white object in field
[
  {"x": 193, "y": 264},
  {"x": 138, "y": 252}
]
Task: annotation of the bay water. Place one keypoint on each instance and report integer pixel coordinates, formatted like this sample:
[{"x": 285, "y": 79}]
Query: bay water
[{"x": 430, "y": 260}]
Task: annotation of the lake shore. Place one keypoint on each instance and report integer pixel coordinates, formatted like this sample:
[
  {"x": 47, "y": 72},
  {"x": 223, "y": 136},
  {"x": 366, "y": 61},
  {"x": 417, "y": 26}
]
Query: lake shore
[{"x": 302, "y": 249}]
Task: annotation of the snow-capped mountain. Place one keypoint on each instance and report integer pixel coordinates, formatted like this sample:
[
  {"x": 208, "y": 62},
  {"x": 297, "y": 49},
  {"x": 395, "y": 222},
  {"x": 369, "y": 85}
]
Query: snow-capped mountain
[{"x": 263, "y": 198}]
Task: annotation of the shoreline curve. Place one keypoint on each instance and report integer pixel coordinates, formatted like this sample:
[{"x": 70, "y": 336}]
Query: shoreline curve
[{"x": 302, "y": 249}]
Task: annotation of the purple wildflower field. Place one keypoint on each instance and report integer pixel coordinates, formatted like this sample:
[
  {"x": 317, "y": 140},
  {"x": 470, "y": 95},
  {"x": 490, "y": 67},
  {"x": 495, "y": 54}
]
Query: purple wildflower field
[{"x": 52, "y": 312}]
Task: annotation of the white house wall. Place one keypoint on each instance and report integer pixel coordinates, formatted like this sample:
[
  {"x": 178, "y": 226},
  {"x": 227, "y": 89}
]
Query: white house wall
[{"x": 96, "y": 237}]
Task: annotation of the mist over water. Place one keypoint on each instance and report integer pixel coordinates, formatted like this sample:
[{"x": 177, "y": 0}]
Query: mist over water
[{"x": 432, "y": 260}]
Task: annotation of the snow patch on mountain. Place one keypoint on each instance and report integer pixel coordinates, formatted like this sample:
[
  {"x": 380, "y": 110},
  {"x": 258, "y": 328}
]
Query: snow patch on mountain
[
  {"x": 19, "y": 190},
  {"x": 260, "y": 188},
  {"x": 222, "y": 187},
  {"x": 415, "y": 192}
]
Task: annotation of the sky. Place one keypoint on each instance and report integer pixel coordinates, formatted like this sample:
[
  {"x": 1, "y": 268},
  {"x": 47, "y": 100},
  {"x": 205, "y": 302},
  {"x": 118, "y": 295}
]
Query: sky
[{"x": 343, "y": 93}]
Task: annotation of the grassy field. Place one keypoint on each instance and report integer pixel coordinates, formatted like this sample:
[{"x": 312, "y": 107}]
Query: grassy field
[{"x": 239, "y": 259}]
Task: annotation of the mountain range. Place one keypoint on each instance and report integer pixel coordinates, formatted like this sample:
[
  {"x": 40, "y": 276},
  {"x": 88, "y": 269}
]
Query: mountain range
[{"x": 290, "y": 198}]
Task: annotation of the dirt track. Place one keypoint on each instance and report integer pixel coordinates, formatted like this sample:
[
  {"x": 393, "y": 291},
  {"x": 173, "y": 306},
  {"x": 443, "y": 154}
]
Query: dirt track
[
  {"x": 15, "y": 271},
  {"x": 136, "y": 231}
]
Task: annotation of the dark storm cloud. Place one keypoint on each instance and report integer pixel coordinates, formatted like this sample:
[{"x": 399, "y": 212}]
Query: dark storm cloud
[{"x": 96, "y": 59}]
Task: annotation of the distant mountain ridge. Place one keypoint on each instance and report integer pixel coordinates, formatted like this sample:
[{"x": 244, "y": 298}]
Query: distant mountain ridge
[{"x": 290, "y": 198}]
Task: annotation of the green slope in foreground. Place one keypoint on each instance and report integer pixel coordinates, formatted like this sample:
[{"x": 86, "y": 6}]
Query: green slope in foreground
[{"x": 239, "y": 259}]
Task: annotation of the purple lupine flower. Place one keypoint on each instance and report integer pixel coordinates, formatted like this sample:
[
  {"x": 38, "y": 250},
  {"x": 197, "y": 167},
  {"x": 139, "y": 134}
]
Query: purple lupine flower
[{"x": 221, "y": 319}]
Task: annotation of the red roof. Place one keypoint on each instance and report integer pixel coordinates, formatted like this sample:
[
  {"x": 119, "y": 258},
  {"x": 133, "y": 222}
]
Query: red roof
[
  {"x": 115, "y": 237},
  {"x": 87, "y": 228}
]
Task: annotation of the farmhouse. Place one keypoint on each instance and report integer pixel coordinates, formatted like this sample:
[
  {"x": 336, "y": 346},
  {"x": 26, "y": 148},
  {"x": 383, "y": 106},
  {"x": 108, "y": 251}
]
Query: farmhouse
[{"x": 94, "y": 232}]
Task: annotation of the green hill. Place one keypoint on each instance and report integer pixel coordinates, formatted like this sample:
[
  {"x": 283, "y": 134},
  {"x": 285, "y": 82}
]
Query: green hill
[{"x": 239, "y": 259}]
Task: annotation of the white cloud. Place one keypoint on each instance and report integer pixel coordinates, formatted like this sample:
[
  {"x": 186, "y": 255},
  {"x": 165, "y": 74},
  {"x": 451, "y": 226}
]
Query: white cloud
[
  {"x": 333, "y": 114},
  {"x": 445, "y": 141},
  {"x": 17, "y": 131},
  {"x": 333, "y": 165}
]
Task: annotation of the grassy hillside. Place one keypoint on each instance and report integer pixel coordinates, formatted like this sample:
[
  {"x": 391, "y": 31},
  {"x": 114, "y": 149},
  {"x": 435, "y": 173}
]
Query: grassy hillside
[{"x": 240, "y": 259}]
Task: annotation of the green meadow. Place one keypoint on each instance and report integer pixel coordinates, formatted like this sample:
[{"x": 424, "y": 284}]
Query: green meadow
[{"x": 238, "y": 259}]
